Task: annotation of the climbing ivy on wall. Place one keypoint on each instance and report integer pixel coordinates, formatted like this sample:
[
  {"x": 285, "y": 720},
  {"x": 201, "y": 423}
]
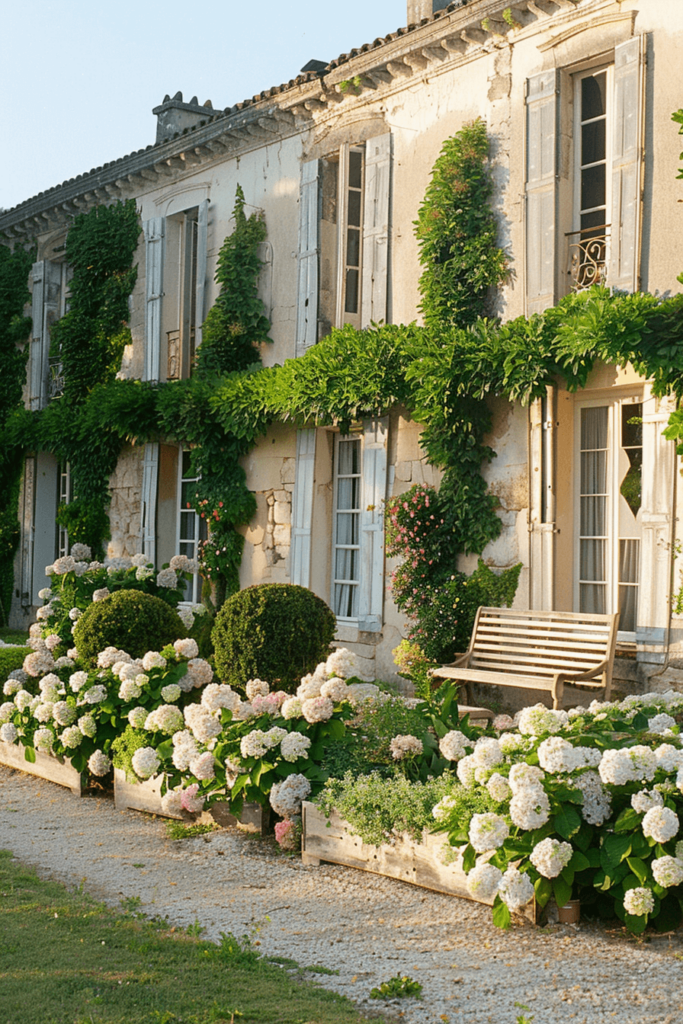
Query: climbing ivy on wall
[{"x": 14, "y": 331}]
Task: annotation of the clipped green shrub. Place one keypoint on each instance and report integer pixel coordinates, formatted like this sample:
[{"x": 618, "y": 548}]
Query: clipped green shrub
[
  {"x": 11, "y": 658},
  {"x": 272, "y": 631},
  {"x": 132, "y": 621}
]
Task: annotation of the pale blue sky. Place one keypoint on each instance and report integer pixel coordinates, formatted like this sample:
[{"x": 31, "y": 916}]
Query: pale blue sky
[{"x": 79, "y": 79}]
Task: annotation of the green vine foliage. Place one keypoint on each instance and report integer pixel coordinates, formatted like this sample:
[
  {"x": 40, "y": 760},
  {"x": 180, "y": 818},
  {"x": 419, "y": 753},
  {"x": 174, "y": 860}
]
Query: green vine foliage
[{"x": 14, "y": 331}]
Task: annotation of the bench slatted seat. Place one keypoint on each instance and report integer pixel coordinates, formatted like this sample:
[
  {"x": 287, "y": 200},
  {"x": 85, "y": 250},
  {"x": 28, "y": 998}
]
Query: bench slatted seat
[{"x": 537, "y": 651}]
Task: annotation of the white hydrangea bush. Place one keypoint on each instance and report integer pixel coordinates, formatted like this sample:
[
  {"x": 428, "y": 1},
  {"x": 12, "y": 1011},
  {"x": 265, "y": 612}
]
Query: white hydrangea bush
[{"x": 589, "y": 798}]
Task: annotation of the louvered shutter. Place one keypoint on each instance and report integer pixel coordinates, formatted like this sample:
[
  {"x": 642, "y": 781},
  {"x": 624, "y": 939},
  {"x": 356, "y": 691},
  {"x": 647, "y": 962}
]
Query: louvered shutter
[
  {"x": 202, "y": 240},
  {"x": 541, "y": 202},
  {"x": 154, "y": 230},
  {"x": 371, "y": 596},
  {"x": 307, "y": 285},
  {"x": 626, "y": 158},
  {"x": 148, "y": 511},
  {"x": 376, "y": 229},
  {"x": 302, "y": 508}
]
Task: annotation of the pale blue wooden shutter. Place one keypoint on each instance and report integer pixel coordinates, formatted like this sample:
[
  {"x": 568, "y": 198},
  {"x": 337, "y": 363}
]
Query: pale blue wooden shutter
[
  {"x": 148, "y": 504},
  {"x": 541, "y": 202},
  {"x": 626, "y": 166},
  {"x": 376, "y": 229},
  {"x": 302, "y": 508},
  {"x": 371, "y": 595},
  {"x": 154, "y": 230},
  {"x": 200, "y": 294},
  {"x": 307, "y": 284}
]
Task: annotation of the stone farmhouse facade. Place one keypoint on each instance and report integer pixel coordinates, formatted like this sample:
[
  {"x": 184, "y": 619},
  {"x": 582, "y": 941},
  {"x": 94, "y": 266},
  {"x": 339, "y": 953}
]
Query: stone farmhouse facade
[{"x": 577, "y": 96}]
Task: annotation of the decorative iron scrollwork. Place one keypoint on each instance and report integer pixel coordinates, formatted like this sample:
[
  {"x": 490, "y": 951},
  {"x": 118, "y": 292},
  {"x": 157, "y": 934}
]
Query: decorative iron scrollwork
[{"x": 588, "y": 257}]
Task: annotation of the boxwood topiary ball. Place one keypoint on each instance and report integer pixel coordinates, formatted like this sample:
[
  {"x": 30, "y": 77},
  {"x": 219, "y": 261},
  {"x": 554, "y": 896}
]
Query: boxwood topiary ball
[
  {"x": 272, "y": 631},
  {"x": 129, "y": 620}
]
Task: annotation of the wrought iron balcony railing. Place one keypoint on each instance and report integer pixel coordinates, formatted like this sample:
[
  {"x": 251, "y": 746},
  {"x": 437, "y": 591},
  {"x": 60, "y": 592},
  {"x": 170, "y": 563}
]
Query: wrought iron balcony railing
[{"x": 588, "y": 256}]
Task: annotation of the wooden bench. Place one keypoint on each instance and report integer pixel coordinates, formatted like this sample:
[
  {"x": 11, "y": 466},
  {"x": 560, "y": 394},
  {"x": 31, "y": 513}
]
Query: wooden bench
[{"x": 537, "y": 651}]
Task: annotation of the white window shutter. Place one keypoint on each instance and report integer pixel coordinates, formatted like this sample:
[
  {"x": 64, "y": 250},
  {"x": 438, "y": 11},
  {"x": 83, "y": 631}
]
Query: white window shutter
[
  {"x": 302, "y": 508},
  {"x": 307, "y": 285},
  {"x": 154, "y": 230},
  {"x": 626, "y": 160},
  {"x": 376, "y": 229},
  {"x": 202, "y": 252},
  {"x": 148, "y": 512},
  {"x": 45, "y": 296},
  {"x": 373, "y": 494},
  {"x": 541, "y": 201}
]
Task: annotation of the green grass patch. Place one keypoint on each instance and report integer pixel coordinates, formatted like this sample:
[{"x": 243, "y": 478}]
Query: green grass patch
[
  {"x": 65, "y": 959},
  {"x": 13, "y": 636},
  {"x": 11, "y": 658},
  {"x": 177, "y": 830}
]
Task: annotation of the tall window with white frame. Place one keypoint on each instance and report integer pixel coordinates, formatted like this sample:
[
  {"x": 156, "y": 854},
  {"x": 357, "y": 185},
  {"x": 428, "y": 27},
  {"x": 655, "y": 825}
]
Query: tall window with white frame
[
  {"x": 346, "y": 540},
  {"x": 589, "y": 237},
  {"x": 350, "y": 227},
  {"x": 191, "y": 527},
  {"x": 63, "y": 498},
  {"x": 182, "y": 231},
  {"x": 610, "y": 470}
]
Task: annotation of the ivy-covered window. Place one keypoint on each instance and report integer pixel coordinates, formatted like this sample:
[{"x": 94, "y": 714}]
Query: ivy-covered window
[{"x": 63, "y": 498}]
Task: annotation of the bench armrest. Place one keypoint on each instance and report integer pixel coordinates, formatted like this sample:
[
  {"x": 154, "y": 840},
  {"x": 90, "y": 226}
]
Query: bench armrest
[{"x": 461, "y": 661}]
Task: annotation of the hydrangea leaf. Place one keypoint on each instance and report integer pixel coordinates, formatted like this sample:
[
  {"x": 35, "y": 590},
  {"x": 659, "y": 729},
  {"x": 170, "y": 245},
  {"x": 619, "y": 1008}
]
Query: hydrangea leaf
[
  {"x": 30, "y": 755},
  {"x": 636, "y": 924},
  {"x": 562, "y": 891},
  {"x": 469, "y": 858},
  {"x": 543, "y": 889},
  {"x": 615, "y": 848},
  {"x": 567, "y": 822},
  {"x": 628, "y": 820},
  {"x": 501, "y": 914},
  {"x": 580, "y": 861},
  {"x": 670, "y": 914},
  {"x": 639, "y": 868}
]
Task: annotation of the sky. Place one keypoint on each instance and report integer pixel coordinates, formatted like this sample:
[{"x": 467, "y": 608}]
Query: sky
[{"x": 79, "y": 80}]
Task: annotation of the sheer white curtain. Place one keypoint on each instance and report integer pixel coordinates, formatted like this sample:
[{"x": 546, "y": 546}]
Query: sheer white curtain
[
  {"x": 347, "y": 525},
  {"x": 594, "y": 491}
]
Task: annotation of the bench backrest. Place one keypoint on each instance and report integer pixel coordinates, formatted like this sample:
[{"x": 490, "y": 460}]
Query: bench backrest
[{"x": 541, "y": 643}]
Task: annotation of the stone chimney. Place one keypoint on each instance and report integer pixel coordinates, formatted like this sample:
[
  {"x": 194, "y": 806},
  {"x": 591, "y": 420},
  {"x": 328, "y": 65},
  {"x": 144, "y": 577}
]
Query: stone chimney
[
  {"x": 173, "y": 115},
  {"x": 419, "y": 9}
]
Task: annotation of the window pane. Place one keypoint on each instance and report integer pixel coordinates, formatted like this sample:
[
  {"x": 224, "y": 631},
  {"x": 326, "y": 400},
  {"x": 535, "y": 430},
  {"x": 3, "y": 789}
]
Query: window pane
[
  {"x": 593, "y": 187},
  {"x": 593, "y": 224},
  {"x": 632, "y": 426},
  {"x": 188, "y": 490},
  {"x": 351, "y": 304},
  {"x": 348, "y": 453},
  {"x": 592, "y": 560},
  {"x": 594, "y": 428},
  {"x": 346, "y": 564},
  {"x": 347, "y": 527},
  {"x": 355, "y": 169},
  {"x": 593, "y": 517},
  {"x": 592, "y": 598},
  {"x": 628, "y": 607},
  {"x": 593, "y": 142},
  {"x": 187, "y": 524},
  {"x": 353, "y": 247},
  {"x": 593, "y": 96},
  {"x": 187, "y": 456},
  {"x": 593, "y": 473},
  {"x": 354, "y": 209},
  {"x": 345, "y": 600}
]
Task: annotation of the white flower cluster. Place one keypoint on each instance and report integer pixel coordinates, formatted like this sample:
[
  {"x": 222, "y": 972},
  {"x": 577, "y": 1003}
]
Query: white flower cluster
[
  {"x": 443, "y": 808},
  {"x": 597, "y": 800},
  {"x": 629, "y": 764},
  {"x": 317, "y": 709},
  {"x": 186, "y": 648},
  {"x": 639, "y": 901},
  {"x": 145, "y": 762},
  {"x": 498, "y": 787},
  {"x": 167, "y": 578},
  {"x": 166, "y": 718},
  {"x": 551, "y": 856},
  {"x": 488, "y": 832},
  {"x": 185, "y": 749},
  {"x": 203, "y": 725},
  {"x": 98, "y": 763},
  {"x": 254, "y": 744},
  {"x": 660, "y": 824},
  {"x": 538, "y": 720},
  {"x": 558, "y": 755},
  {"x": 294, "y": 745},
  {"x": 219, "y": 695},
  {"x": 286, "y": 797},
  {"x": 257, "y": 688},
  {"x": 483, "y": 881},
  {"x": 453, "y": 746},
  {"x": 515, "y": 888},
  {"x": 405, "y": 746},
  {"x": 645, "y": 800}
]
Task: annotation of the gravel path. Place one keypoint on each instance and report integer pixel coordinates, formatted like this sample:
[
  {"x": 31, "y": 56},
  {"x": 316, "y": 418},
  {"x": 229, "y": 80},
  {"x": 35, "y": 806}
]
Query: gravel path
[{"x": 367, "y": 928}]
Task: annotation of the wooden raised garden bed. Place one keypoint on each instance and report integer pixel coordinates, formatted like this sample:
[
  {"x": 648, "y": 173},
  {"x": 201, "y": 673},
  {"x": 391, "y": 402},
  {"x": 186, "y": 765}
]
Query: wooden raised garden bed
[
  {"x": 45, "y": 766},
  {"x": 418, "y": 863},
  {"x": 146, "y": 796}
]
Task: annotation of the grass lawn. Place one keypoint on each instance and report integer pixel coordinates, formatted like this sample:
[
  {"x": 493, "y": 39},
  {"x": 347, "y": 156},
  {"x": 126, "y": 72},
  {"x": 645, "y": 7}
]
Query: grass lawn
[
  {"x": 13, "y": 636},
  {"x": 65, "y": 959}
]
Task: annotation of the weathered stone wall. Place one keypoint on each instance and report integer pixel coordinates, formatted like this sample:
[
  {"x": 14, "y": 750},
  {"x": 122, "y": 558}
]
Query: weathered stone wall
[{"x": 125, "y": 484}]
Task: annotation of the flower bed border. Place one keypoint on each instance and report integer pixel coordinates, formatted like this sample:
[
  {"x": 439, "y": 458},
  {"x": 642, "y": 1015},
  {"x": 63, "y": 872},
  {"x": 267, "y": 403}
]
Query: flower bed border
[
  {"x": 45, "y": 767},
  {"x": 146, "y": 796},
  {"x": 417, "y": 863}
]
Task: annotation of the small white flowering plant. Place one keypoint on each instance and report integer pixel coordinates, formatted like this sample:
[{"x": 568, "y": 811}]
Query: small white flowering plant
[{"x": 588, "y": 804}]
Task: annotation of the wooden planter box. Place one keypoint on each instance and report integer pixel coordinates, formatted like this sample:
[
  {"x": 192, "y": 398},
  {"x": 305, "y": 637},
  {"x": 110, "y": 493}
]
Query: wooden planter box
[
  {"x": 146, "y": 796},
  {"x": 45, "y": 767},
  {"x": 418, "y": 863}
]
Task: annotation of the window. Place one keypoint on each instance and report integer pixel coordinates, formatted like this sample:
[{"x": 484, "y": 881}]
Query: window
[
  {"x": 181, "y": 309},
  {"x": 597, "y": 239},
  {"x": 191, "y": 527},
  {"x": 350, "y": 241},
  {"x": 64, "y": 496},
  {"x": 610, "y": 456},
  {"x": 588, "y": 240},
  {"x": 346, "y": 554}
]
